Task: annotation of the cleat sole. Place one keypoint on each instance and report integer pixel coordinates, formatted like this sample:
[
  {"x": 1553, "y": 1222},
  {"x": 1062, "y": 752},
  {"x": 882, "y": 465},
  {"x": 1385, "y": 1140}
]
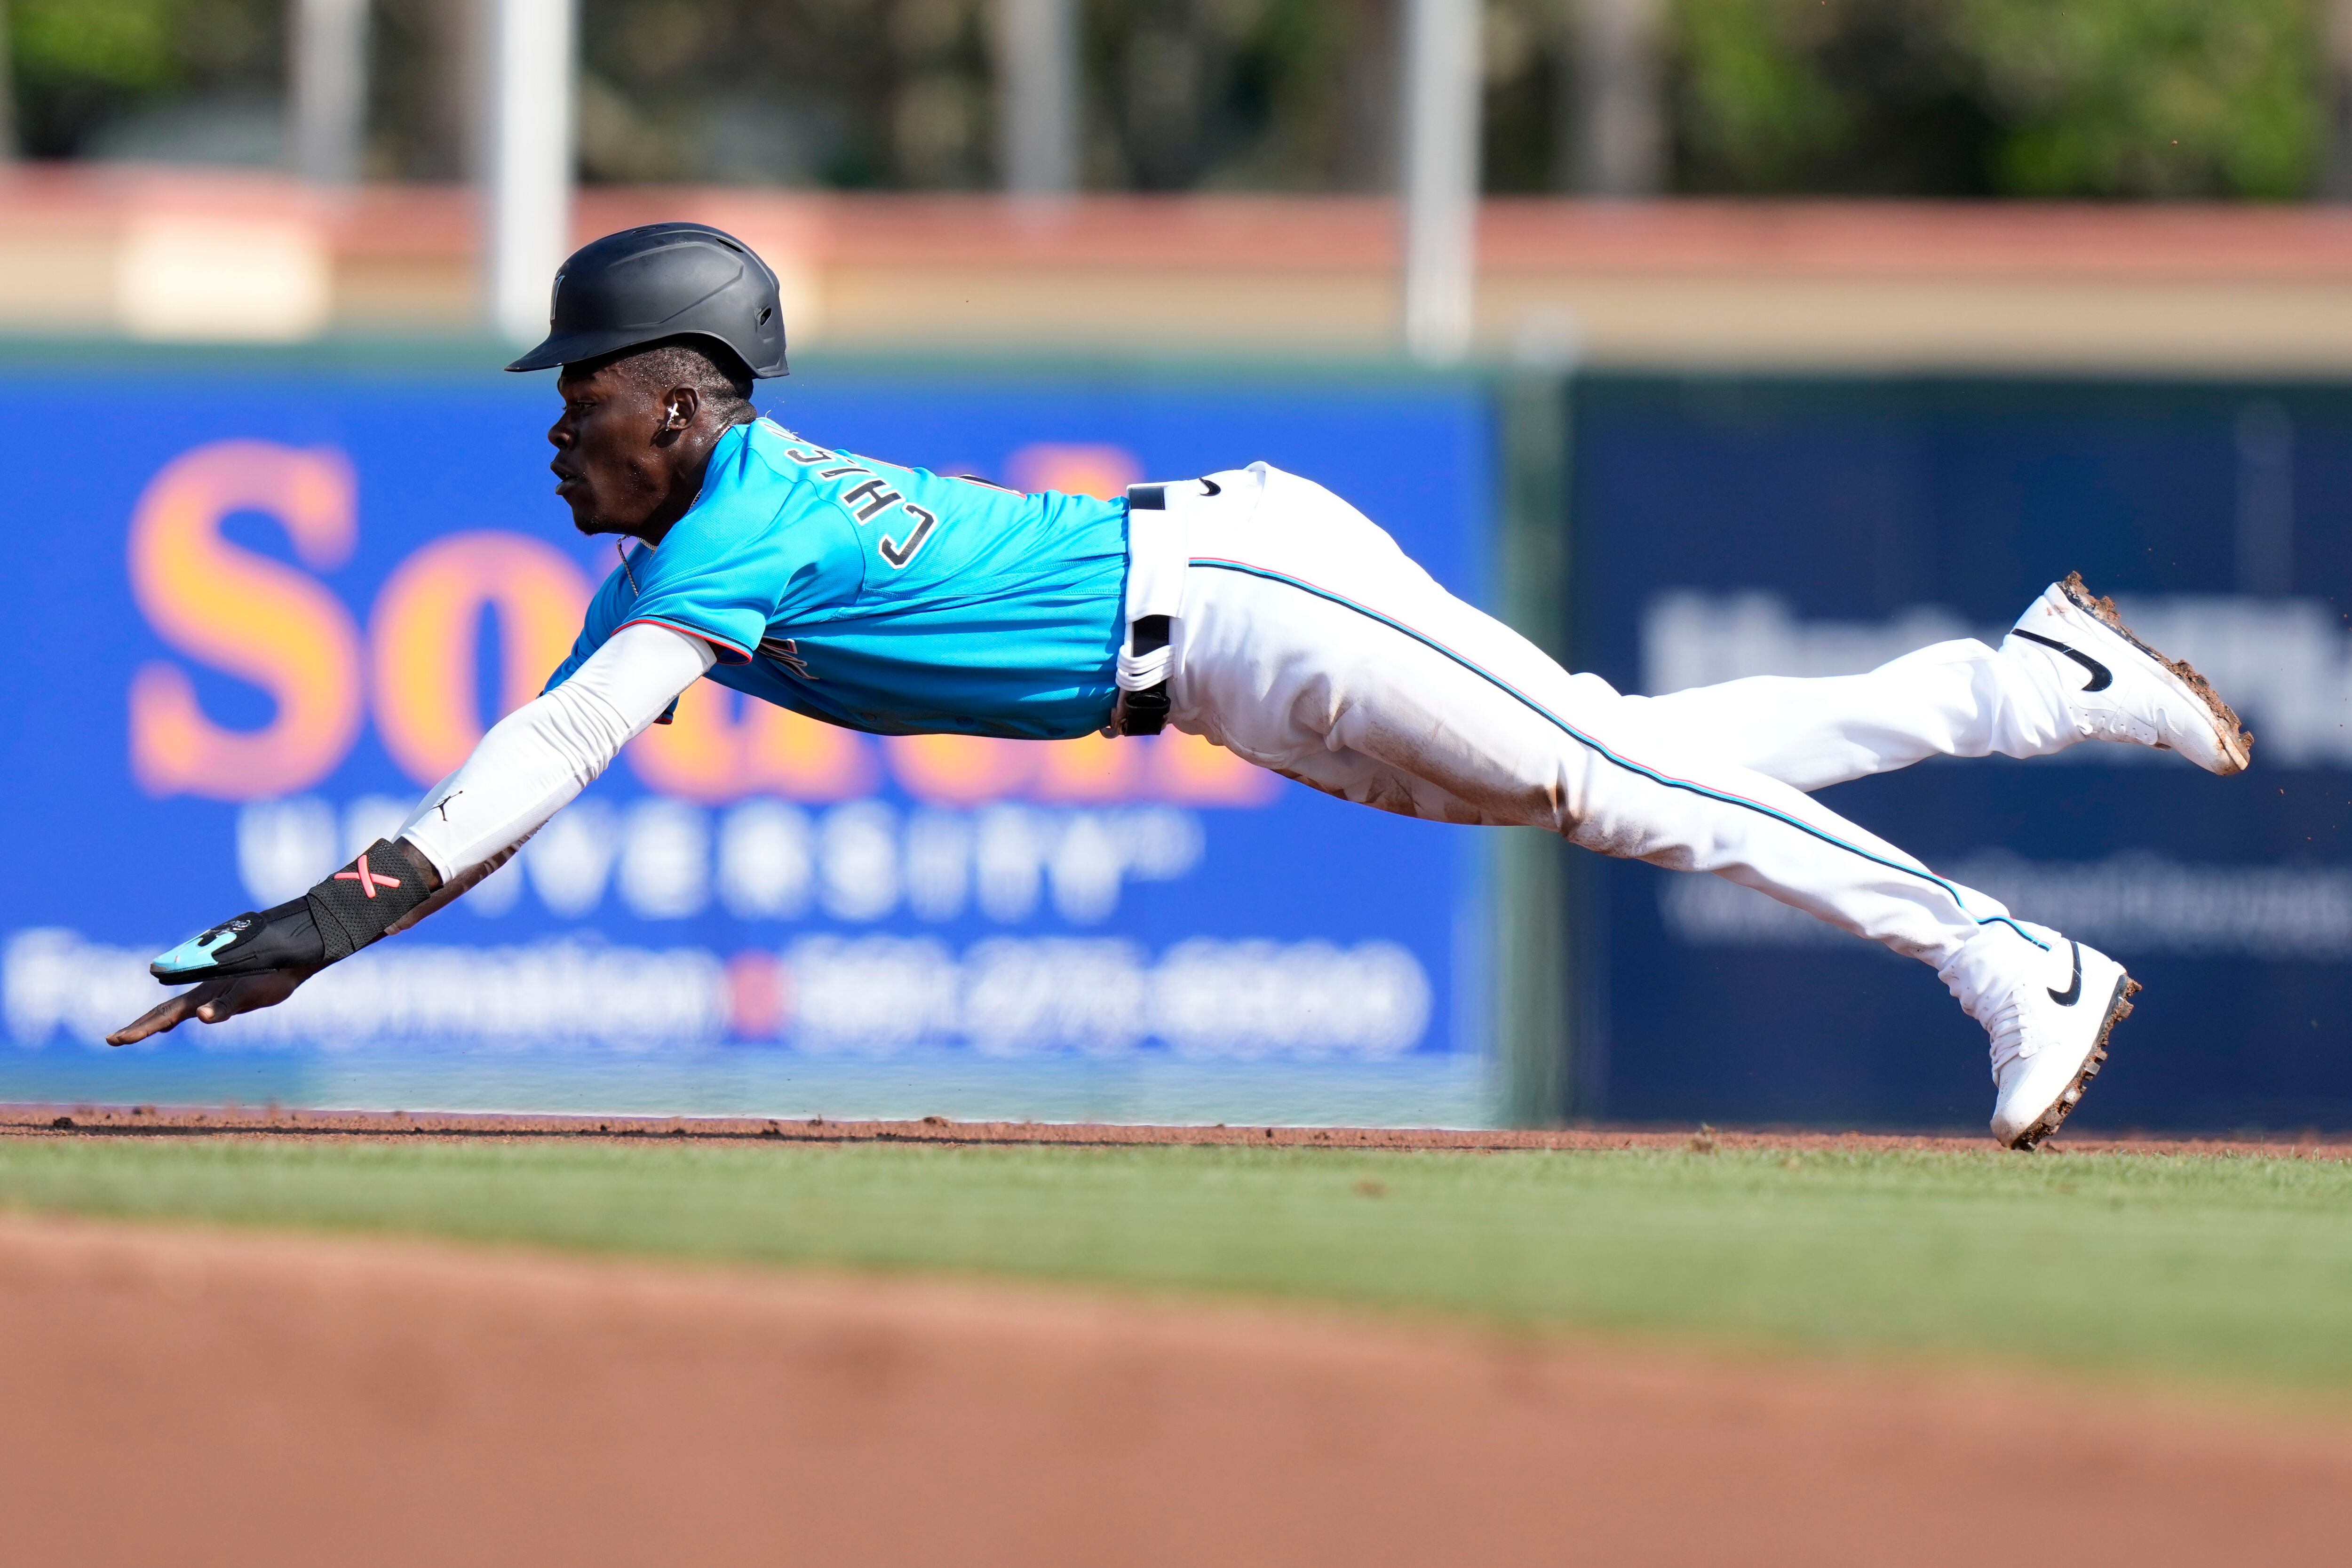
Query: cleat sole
[{"x": 2119, "y": 1007}]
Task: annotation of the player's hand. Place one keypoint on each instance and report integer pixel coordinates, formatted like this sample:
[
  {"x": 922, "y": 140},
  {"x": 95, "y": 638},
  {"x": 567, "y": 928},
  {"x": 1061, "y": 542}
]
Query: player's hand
[{"x": 215, "y": 1001}]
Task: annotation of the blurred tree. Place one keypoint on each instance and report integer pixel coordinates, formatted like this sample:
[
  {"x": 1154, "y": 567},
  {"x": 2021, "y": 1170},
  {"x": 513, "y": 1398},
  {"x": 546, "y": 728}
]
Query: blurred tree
[
  {"x": 1268, "y": 94},
  {"x": 1527, "y": 58},
  {"x": 83, "y": 67},
  {"x": 423, "y": 82},
  {"x": 2156, "y": 98},
  {"x": 1855, "y": 96},
  {"x": 2100, "y": 98},
  {"x": 2093, "y": 98},
  {"x": 1920, "y": 97},
  {"x": 837, "y": 92}
]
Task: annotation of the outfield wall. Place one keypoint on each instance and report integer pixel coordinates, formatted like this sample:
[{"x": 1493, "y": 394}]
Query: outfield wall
[
  {"x": 257, "y": 611},
  {"x": 262, "y": 606}
]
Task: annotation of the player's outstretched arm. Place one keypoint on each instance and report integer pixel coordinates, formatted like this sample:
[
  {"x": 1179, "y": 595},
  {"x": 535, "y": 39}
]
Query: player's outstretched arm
[{"x": 529, "y": 767}]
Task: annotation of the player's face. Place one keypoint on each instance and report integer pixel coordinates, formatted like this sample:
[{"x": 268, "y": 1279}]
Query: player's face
[{"x": 615, "y": 451}]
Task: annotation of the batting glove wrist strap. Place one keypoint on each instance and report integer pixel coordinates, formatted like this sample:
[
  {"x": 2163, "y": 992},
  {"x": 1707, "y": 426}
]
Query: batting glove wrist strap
[
  {"x": 360, "y": 902},
  {"x": 334, "y": 919}
]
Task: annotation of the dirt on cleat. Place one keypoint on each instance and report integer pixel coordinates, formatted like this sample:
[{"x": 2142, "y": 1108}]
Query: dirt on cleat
[
  {"x": 2235, "y": 737},
  {"x": 2055, "y": 1117}
]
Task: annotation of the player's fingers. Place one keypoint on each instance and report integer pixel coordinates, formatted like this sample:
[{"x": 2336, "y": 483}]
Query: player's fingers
[
  {"x": 212, "y": 1001},
  {"x": 247, "y": 992},
  {"x": 166, "y": 1014}
]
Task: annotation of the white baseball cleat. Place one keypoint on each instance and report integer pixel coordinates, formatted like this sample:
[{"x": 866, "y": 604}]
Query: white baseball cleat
[
  {"x": 2050, "y": 1036},
  {"x": 2120, "y": 688}
]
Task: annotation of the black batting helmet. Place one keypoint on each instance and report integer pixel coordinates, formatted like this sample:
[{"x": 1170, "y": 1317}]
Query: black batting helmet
[{"x": 663, "y": 280}]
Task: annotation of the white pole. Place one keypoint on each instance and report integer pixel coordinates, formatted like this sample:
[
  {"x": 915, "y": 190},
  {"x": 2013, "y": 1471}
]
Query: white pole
[
  {"x": 527, "y": 157},
  {"x": 327, "y": 114},
  {"x": 1621, "y": 141},
  {"x": 1037, "y": 96},
  {"x": 1441, "y": 176}
]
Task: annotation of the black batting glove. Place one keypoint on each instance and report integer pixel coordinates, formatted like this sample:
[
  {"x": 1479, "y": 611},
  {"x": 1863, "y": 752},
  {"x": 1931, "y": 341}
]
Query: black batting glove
[{"x": 334, "y": 919}]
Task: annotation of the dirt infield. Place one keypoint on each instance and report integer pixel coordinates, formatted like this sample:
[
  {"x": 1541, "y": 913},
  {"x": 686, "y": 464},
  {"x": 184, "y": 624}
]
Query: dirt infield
[
  {"x": 194, "y": 1397},
  {"x": 235, "y": 1121}
]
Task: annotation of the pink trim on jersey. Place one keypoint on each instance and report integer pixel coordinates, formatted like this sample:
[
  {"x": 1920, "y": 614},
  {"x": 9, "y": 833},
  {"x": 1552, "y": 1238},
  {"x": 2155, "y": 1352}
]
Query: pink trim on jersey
[{"x": 718, "y": 645}]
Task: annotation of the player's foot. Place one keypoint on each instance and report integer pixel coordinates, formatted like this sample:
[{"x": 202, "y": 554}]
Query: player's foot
[
  {"x": 2120, "y": 688},
  {"x": 2050, "y": 1032}
]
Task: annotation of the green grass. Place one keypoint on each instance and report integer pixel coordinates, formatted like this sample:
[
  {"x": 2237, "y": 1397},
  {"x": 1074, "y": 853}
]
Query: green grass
[{"x": 2227, "y": 1270}]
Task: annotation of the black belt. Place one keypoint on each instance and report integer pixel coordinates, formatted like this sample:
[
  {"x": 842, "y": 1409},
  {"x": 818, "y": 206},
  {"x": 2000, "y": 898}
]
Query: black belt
[{"x": 1144, "y": 713}]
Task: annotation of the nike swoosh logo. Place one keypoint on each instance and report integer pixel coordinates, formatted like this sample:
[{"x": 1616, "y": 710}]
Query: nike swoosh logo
[
  {"x": 1211, "y": 487},
  {"x": 2101, "y": 676},
  {"x": 2074, "y": 992}
]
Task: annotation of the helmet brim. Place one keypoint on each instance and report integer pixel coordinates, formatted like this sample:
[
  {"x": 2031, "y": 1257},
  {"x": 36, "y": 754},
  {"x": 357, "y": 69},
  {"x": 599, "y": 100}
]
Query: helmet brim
[{"x": 560, "y": 349}]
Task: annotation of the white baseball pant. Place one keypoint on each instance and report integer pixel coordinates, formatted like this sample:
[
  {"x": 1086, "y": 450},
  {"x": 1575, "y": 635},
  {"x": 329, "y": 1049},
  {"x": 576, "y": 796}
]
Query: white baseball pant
[{"x": 1308, "y": 643}]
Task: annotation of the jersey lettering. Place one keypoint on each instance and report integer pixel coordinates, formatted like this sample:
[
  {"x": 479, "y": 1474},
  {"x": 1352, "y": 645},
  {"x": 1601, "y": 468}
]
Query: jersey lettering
[
  {"x": 867, "y": 501},
  {"x": 898, "y": 554},
  {"x": 815, "y": 455}
]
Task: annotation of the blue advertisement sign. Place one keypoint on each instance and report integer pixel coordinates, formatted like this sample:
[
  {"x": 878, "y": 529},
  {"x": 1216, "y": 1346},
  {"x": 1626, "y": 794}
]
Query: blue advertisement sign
[
  {"x": 255, "y": 615},
  {"x": 1728, "y": 529}
]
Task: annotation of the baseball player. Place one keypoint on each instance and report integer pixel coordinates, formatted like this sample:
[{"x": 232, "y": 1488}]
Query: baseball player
[{"x": 1249, "y": 606}]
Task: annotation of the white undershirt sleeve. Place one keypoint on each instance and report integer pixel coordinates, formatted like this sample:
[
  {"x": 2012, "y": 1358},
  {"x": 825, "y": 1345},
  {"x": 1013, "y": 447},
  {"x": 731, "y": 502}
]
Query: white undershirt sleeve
[{"x": 537, "y": 758}]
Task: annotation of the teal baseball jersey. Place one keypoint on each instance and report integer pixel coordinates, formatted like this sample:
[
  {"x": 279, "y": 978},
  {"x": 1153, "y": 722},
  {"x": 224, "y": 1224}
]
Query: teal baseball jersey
[{"x": 882, "y": 598}]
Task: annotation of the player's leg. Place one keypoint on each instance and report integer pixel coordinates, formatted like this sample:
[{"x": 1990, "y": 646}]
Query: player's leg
[
  {"x": 1425, "y": 712},
  {"x": 1311, "y": 645},
  {"x": 2069, "y": 672},
  {"x": 1952, "y": 699}
]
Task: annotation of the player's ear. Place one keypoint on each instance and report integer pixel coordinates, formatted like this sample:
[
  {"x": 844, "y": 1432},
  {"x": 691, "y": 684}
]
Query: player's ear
[{"x": 680, "y": 406}]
